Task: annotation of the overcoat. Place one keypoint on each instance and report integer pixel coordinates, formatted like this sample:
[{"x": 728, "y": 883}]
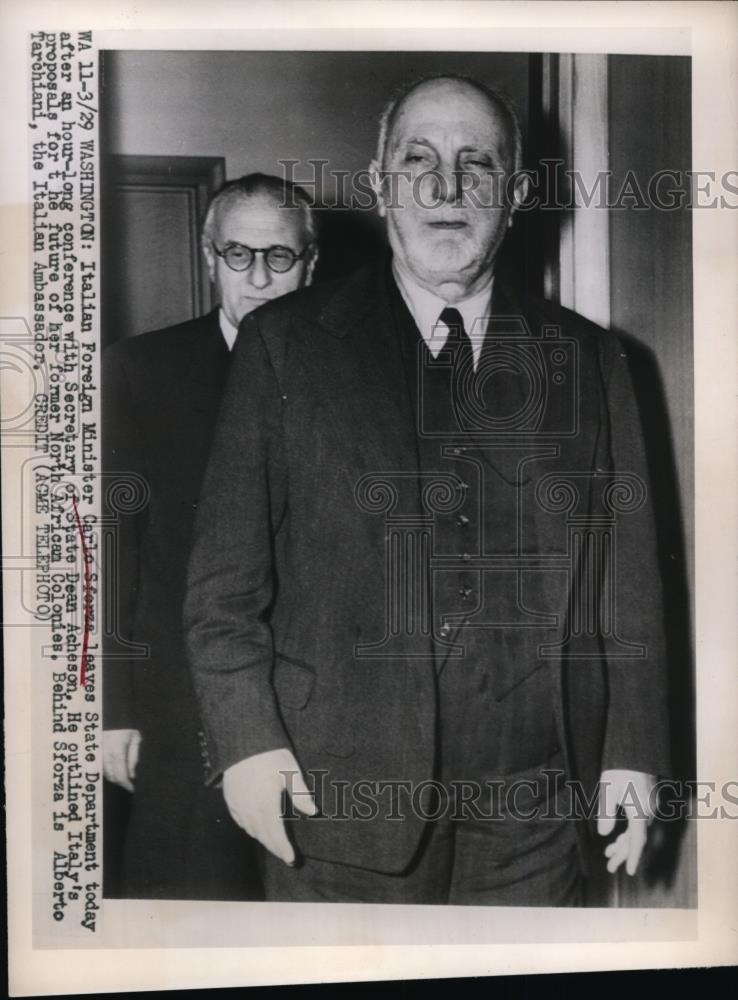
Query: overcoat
[
  {"x": 160, "y": 398},
  {"x": 313, "y": 467}
]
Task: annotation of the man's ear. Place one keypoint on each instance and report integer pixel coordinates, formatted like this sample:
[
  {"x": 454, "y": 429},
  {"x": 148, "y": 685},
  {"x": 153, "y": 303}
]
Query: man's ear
[
  {"x": 519, "y": 194},
  {"x": 310, "y": 266},
  {"x": 375, "y": 179},
  {"x": 209, "y": 257}
]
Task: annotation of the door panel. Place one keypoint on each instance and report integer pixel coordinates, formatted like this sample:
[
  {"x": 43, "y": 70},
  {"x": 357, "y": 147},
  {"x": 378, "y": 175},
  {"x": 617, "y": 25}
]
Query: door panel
[{"x": 153, "y": 272}]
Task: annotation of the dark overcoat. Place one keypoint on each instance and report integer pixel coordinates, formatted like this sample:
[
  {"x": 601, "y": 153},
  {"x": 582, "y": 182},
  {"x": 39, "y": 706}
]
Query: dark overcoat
[
  {"x": 288, "y": 589},
  {"x": 160, "y": 398}
]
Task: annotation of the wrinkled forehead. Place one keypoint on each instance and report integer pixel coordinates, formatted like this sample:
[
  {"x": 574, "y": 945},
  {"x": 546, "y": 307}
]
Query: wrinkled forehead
[
  {"x": 451, "y": 112},
  {"x": 258, "y": 217}
]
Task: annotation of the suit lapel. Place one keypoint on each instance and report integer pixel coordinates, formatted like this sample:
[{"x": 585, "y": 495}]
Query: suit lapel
[
  {"x": 206, "y": 359},
  {"x": 194, "y": 376},
  {"x": 364, "y": 378}
]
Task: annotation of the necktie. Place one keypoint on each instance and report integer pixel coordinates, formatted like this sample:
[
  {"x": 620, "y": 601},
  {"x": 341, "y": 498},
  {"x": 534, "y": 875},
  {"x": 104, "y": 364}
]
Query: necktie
[
  {"x": 458, "y": 342},
  {"x": 458, "y": 339},
  {"x": 463, "y": 388}
]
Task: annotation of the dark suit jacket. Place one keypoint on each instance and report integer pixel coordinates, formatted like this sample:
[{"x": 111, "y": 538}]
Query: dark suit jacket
[
  {"x": 288, "y": 572},
  {"x": 161, "y": 393}
]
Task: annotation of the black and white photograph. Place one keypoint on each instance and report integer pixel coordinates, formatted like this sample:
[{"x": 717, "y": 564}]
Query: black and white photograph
[
  {"x": 412, "y": 547},
  {"x": 365, "y": 443}
]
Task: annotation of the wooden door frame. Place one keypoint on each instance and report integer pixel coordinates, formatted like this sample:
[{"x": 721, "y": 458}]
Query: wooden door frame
[
  {"x": 198, "y": 177},
  {"x": 569, "y": 123}
]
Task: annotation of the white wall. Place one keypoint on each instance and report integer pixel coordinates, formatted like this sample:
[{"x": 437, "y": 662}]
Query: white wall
[{"x": 255, "y": 108}]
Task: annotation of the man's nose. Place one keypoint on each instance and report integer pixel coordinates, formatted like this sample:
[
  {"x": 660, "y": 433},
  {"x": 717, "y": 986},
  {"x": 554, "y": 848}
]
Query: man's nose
[
  {"x": 449, "y": 185},
  {"x": 259, "y": 274}
]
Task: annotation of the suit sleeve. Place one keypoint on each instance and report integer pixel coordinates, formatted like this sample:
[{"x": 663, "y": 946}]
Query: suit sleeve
[
  {"x": 122, "y": 456},
  {"x": 637, "y": 736},
  {"x": 231, "y": 579}
]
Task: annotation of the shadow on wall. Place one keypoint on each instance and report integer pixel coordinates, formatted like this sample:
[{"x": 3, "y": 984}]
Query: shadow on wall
[{"x": 348, "y": 240}]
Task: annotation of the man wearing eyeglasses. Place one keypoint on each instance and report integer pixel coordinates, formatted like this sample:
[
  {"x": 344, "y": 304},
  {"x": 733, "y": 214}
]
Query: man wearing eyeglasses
[
  {"x": 255, "y": 251},
  {"x": 161, "y": 393}
]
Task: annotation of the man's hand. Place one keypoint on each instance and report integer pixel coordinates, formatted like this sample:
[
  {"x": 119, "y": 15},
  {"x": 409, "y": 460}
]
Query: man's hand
[
  {"x": 633, "y": 790},
  {"x": 254, "y": 791},
  {"x": 120, "y": 756}
]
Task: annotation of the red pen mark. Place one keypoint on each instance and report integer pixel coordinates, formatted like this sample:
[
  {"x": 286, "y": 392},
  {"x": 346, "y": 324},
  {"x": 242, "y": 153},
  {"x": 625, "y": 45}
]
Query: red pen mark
[{"x": 86, "y": 597}]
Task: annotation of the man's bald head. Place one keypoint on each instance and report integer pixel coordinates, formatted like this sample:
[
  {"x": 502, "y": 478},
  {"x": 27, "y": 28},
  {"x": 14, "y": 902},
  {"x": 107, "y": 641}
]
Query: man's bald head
[{"x": 444, "y": 84}]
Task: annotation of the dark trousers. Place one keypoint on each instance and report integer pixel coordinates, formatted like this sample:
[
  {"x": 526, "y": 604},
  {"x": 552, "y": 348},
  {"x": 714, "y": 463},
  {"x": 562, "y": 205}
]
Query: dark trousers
[{"x": 493, "y": 836}]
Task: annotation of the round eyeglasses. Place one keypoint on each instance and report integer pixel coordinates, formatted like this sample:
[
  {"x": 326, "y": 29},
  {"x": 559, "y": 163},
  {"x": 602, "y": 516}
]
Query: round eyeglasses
[{"x": 240, "y": 258}]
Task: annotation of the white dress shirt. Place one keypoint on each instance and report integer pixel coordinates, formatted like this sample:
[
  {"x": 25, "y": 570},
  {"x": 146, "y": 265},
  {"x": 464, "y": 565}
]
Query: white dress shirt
[
  {"x": 425, "y": 308},
  {"x": 228, "y": 330}
]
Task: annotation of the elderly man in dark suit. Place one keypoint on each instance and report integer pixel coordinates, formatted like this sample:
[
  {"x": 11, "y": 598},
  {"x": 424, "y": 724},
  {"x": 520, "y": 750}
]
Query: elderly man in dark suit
[
  {"x": 424, "y": 605},
  {"x": 161, "y": 393}
]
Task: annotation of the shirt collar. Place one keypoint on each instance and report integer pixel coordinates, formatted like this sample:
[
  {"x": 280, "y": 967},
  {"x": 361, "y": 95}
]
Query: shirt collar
[
  {"x": 227, "y": 328},
  {"x": 425, "y": 308}
]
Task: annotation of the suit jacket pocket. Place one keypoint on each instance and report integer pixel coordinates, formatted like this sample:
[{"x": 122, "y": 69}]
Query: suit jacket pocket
[
  {"x": 505, "y": 687},
  {"x": 292, "y": 681}
]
